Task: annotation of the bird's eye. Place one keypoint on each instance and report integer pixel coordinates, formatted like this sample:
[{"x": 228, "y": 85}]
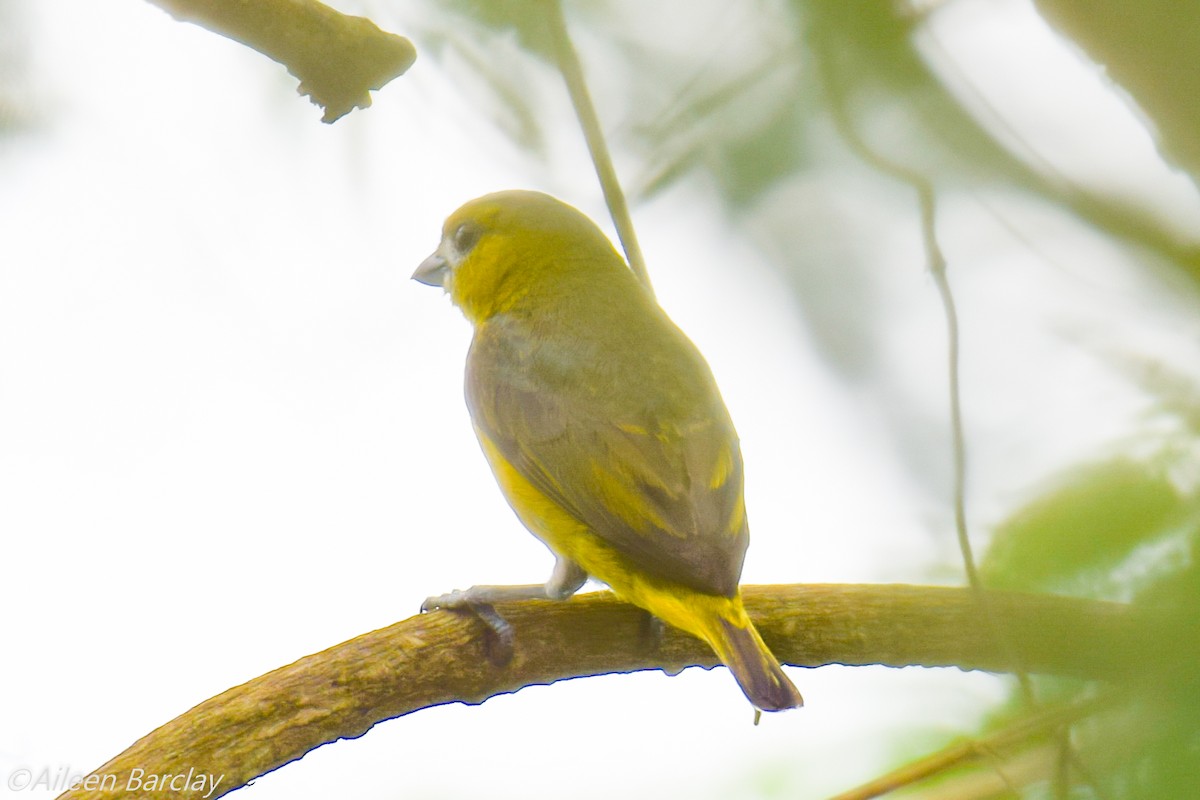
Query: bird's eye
[{"x": 465, "y": 236}]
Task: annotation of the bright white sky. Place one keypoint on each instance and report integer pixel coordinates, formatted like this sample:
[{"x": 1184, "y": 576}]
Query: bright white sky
[{"x": 232, "y": 430}]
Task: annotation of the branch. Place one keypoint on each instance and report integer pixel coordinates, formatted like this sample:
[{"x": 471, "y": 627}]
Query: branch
[
  {"x": 1021, "y": 735},
  {"x": 446, "y": 657},
  {"x": 593, "y": 134},
  {"x": 1148, "y": 47},
  {"x": 338, "y": 58}
]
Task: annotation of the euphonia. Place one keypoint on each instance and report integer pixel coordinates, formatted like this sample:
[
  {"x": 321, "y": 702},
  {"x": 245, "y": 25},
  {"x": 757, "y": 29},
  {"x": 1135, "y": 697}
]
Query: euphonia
[{"x": 603, "y": 426}]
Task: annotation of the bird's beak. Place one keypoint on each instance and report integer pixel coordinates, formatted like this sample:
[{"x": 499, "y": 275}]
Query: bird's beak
[{"x": 433, "y": 270}]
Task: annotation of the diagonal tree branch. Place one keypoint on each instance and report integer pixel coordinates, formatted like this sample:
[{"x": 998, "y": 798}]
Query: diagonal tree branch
[{"x": 447, "y": 657}]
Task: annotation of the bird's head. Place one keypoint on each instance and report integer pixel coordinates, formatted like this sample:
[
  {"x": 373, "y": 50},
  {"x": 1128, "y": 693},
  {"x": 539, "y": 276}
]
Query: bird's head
[{"x": 499, "y": 249}]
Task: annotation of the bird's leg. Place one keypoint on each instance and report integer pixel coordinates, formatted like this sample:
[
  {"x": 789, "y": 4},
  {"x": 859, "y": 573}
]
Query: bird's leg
[
  {"x": 652, "y": 632},
  {"x": 564, "y": 581}
]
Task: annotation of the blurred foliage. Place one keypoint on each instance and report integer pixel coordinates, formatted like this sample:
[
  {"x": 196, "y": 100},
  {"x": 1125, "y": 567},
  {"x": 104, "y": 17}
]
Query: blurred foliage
[
  {"x": 488, "y": 46},
  {"x": 755, "y": 99},
  {"x": 1129, "y": 530},
  {"x": 747, "y": 96},
  {"x": 1121, "y": 529},
  {"x": 1099, "y": 534},
  {"x": 16, "y": 101}
]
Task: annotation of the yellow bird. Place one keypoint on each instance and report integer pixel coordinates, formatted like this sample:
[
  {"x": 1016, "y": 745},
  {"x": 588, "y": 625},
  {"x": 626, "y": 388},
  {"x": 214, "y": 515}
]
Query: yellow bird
[{"x": 603, "y": 425}]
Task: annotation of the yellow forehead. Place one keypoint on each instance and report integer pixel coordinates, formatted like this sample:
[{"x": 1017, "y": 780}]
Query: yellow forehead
[{"x": 522, "y": 211}]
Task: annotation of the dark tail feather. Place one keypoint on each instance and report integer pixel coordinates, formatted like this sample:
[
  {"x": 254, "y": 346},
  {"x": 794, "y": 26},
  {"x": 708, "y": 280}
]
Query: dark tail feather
[{"x": 756, "y": 670}]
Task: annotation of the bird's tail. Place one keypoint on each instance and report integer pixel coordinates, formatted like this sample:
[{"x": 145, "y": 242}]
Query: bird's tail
[
  {"x": 722, "y": 622},
  {"x": 739, "y": 646}
]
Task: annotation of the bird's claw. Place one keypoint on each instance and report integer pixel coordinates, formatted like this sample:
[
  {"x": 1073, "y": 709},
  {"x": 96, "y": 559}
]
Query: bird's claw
[
  {"x": 450, "y": 601},
  {"x": 498, "y": 633}
]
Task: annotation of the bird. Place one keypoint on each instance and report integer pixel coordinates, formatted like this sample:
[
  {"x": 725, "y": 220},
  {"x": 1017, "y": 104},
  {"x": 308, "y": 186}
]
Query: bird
[{"x": 603, "y": 426}]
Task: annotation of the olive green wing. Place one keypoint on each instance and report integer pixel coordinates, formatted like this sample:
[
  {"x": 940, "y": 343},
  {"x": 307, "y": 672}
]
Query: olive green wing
[{"x": 650, "y": 466}]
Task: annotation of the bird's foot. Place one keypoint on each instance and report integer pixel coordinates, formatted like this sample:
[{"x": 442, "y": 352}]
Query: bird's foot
[{"x": 478, "y": 602}]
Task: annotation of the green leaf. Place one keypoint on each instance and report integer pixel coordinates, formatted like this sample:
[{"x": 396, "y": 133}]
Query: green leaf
[{"x": 1076, "y": 536}]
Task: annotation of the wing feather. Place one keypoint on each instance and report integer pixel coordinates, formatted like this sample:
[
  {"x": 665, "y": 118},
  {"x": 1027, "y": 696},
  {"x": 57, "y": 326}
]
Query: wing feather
[{"x": 652, "y": 466}]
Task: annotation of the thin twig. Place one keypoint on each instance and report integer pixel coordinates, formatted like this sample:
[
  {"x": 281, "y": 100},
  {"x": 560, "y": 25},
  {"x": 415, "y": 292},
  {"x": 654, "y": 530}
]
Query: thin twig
[
  {"x": 581, "y": 99},
  {"x": 936, "y": 263},
  {"x": 1030, "y": 729}
]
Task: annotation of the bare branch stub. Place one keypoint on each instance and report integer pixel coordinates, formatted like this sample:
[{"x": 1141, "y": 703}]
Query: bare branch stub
[{"x": 338, "y": 58}]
